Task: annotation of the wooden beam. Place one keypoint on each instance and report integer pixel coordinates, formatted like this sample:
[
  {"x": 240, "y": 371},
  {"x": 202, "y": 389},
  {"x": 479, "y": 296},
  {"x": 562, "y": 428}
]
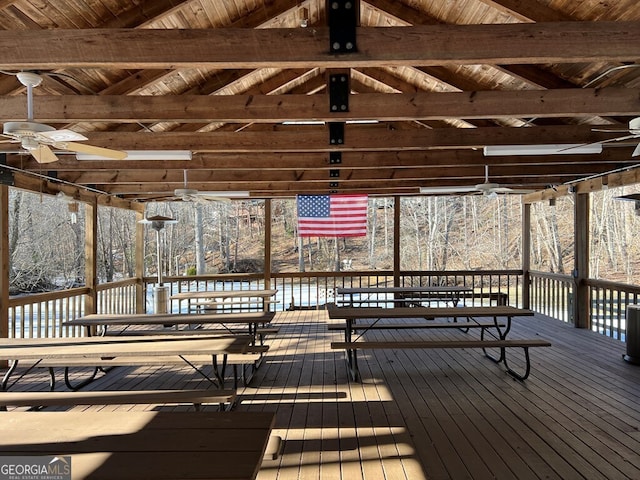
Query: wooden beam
[
  {"x": 164, "y": 189},
  {"x": 320, "y": 160},
  {"x": 357, "y": 138},
  {"x": 368, "y": 106},
  {"x": 518, "y": 43},
  {"x": 202, "y": 177},
  {"x": 52, "y": 187}
]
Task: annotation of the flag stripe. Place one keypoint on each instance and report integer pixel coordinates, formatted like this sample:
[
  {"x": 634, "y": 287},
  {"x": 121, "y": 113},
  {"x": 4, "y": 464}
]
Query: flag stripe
[{"x": 332, "y": 215}]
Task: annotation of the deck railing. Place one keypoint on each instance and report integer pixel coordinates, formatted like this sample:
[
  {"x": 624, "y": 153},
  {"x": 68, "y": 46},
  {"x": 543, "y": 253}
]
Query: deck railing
[
  {"x": 609, "y": 302},
  {"x": 552, "y": 294},
  {"x": 41, "y": 315},
  {"x": 305, "y": 290}
]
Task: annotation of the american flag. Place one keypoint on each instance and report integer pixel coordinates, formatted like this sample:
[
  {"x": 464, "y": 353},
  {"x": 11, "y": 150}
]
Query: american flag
[{"x": 332, "y": 215}]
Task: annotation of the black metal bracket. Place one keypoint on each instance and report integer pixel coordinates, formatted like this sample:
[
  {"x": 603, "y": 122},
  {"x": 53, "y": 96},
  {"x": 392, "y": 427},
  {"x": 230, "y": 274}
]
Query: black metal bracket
[
  {"x": 334, "y": 173},
  {"x": 6, "y": 177},
  {"x": 342, "y": 16},
  {"x": 335, "y": 158},
  {"x": 339, "y": 93},
  {"x": 336, "y": 133}
]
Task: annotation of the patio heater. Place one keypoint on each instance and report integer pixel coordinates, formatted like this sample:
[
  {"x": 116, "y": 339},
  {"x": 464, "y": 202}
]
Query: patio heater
[{"x": 160, "y": 292}]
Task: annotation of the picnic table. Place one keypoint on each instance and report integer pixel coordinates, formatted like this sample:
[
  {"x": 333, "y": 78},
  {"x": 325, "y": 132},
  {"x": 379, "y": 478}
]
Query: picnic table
[
  {"x": 90, "y": 351},
  {"x": 499, "y": 327},
  {"x": 252, "y": 320},
  {"x": 135, "y": 445},
  {"x": 402, "y": 296},
  {"x": 219, "y": 300}
]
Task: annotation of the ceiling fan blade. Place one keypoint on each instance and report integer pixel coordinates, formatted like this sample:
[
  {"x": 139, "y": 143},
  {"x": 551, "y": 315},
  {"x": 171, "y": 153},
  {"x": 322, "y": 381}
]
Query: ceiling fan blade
[
  {"x": 43, "y": 154},
  {"x": 212, "y": 198},
  {"x": 621, "y": 130},
  {"x": 448, "y": 190},
  {"x": 92, "y": 150}
]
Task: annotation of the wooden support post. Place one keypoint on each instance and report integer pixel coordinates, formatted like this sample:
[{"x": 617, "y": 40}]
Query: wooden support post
[
  {"x": 90, "y": 256},
  {"x": 4, "y": 264},
  {"x": 267, "y": 247},
  {"x": 581, "y": 301},
  {"x": 526, "y": 255},
  {"x": 396, "y": 241}
]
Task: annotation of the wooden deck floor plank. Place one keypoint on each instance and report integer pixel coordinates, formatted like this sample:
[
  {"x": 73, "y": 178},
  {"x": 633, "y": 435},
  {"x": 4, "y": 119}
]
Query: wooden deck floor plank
[
  {"x": 290, "y": 414},
  {"x": 424, "y": 414},
  {"x": 330, "y": 447},
  {"x": 430, "y": 440},
  {"x": 558, "y": 411},
  {"x": 557, "y": 436},
  {"x": 311, "y": 384},
  {"x": 447, "y": 358},
  {"x": 486, "y": 462},
  {"x": 365, "y": 441}
]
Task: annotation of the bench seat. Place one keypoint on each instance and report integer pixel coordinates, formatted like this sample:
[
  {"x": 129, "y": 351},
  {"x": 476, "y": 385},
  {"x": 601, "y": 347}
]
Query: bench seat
[
  {"x": 441, "y": 344},
  {"x": 401, "y": 326},
  {"x": 525, "y": 344},
  {"x": 244, "y": 364},
  {"x": 109, "y": 397}
]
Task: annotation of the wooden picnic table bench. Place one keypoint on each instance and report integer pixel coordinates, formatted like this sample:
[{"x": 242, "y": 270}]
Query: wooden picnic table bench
[
  {"x": 259, "y": 297},
  {"x": 196, "y": 397},
  {"x": 243, "y": 365},
  {"x": 251, "y": 320},
  {"x": 403, "y": 296},
  {"x": 376, "y": 319},
  {"x": 130, "y": 350}
]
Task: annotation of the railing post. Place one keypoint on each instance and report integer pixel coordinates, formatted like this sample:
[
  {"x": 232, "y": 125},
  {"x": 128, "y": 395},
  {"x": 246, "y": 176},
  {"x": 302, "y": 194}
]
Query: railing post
[
  {"x": 581, "y": 303},
  {"x": 526, "y": 255}
]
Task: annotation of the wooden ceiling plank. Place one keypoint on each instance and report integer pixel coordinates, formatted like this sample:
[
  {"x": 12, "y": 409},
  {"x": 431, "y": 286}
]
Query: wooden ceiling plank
[
  {"x": 558, "y": 42},
  {"x": 528, "y": 10}
]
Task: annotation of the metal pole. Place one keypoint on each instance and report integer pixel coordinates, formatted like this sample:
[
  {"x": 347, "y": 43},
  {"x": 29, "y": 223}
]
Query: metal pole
[{"x": 158, "y": 257}]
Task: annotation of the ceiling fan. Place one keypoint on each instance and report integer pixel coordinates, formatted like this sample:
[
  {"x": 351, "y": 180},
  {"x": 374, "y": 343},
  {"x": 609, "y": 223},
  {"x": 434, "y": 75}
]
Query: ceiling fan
[
  {"x": 187, "y": 194},
  {"x": 39, "y": 139},
  {"x": 487, "y": 188},
  {"x": 633, "y": 132}
]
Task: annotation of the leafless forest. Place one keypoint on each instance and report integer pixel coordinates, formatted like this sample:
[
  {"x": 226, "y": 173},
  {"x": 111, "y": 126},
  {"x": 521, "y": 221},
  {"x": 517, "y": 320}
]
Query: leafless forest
[{"x": 436, "y": 233}]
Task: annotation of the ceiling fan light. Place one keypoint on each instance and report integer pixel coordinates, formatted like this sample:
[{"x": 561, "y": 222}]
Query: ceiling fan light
[
  {"x": 144, "y": 155},
  {"x": 557, "y": 149}
]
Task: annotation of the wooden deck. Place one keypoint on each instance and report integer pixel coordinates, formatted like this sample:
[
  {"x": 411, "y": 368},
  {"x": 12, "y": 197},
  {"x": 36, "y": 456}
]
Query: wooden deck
[{"x": 437, "y": 414}]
